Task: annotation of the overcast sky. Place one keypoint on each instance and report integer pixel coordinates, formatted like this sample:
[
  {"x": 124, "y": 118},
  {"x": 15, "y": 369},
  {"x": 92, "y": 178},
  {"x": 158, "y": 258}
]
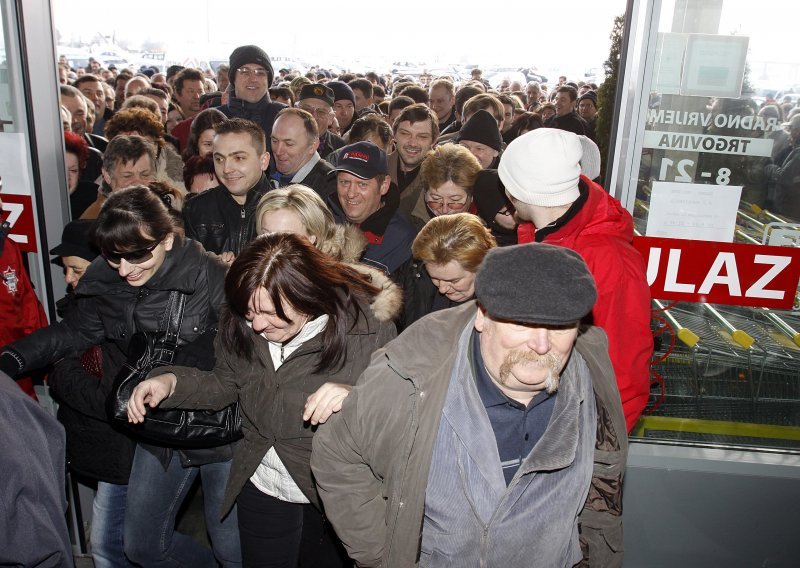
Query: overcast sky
[{"x": 541, "y": 34}]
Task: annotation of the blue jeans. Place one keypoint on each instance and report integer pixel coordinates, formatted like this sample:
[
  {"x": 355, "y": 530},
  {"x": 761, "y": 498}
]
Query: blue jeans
[
  {"x": 154, "y": 498},
  {"x": 108, "y": 518}
]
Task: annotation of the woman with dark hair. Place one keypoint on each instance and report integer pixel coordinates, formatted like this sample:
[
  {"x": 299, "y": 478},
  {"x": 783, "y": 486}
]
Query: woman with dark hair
[
  {"x": 523, "y": 122},
  {"x": 201, "y": 134},
  {"x": 82, "y": 193},
  {"x": 125, "y": 291},
  {"x": 174, "y": 116},
  {"x": 298, "y": 331},
  {"x": 199, "y": 174}
]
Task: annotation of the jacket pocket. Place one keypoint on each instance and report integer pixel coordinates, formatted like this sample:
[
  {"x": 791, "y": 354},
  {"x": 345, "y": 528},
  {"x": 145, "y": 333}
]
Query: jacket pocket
[
  {"x": 602, "y": 546},
  {"x": 212, "y": 235},
  {"x": 288, "y": 419}
]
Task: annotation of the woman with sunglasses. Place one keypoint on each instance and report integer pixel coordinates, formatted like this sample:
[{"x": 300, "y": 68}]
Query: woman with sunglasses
[
  {"x": 298, "y": 330},
  {"x": 124, "y": 291}
]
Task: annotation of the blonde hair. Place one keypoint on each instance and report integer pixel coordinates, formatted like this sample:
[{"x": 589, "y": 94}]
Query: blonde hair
[
  {"x": 450, "y": 162},
  {"x": 312, "y": 211},
  {"x": 461, "y": 237}
]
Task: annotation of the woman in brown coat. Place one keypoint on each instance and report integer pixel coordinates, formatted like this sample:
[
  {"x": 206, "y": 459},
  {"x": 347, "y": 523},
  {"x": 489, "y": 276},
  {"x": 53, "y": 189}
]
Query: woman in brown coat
[{"x": 298, "y": 332}]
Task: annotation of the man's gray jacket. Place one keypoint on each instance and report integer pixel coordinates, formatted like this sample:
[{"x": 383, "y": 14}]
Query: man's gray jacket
[{"x": 372, "y": 460}]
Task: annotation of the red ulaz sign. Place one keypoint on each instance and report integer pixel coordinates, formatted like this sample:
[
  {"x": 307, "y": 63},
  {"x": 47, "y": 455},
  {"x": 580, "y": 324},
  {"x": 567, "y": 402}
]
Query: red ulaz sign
[{"x": 721, "y": 273}]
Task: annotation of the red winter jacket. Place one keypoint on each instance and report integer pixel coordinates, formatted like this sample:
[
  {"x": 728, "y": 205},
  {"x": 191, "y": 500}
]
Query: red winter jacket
[
  {"x": 601, "y": 232},
  {"x": 20, "y": 310}
]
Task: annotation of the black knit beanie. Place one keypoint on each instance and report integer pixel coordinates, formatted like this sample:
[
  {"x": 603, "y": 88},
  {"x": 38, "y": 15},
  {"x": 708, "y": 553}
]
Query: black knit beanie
[
  {"x": 482, "y": 128},
  {"x": 245, "y": 54},
  {"x": 341, "y": 91}
]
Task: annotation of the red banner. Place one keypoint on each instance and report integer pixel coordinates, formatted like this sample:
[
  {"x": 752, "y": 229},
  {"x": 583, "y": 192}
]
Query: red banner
[
  {"x": 721, "y": 273},
  {"x": 18, "y": 211}
]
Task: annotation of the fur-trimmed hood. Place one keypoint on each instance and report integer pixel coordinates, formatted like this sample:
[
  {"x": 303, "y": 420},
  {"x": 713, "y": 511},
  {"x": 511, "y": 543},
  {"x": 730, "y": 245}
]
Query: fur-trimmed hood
[
  {"x": 347, "y": 244},
  {"x": 389, "y": 302}
]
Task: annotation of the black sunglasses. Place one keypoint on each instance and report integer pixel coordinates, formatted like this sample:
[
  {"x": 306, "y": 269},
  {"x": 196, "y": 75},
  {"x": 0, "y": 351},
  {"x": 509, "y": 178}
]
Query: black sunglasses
[{"x": 132, "y": 257}]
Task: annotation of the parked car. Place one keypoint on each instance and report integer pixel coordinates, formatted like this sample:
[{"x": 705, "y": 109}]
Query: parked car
[{"x": 496, "y": 78}]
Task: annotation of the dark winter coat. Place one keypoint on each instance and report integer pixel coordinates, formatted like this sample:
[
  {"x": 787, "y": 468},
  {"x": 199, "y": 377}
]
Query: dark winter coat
[
  {"x": 94, "y": 448},
  {"x": 272, "y": 401},
  {"x": 372, "y": 459},
  {"x": 218, "y": 222},
  {"x": 262, "y": 112},
  {"x": 109, "y": 309}
]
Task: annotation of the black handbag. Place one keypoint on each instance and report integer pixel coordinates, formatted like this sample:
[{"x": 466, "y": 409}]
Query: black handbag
[{"x": 175, "y": 428}]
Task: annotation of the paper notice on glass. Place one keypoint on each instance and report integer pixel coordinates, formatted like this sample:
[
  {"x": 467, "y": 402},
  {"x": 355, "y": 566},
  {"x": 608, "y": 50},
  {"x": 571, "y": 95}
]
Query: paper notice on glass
[
  {"x": 14, "y": 164},
  {"x": 670, "y": 50},
  {"x": 693, "y": 211}
]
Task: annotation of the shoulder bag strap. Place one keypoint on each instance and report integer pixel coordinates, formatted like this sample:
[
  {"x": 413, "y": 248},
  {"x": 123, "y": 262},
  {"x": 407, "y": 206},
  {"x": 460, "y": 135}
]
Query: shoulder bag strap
[{"x": 173, "y": 315}]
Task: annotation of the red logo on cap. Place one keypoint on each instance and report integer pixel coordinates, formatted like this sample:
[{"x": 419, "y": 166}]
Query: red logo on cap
[{"x": 356, "y": 156}]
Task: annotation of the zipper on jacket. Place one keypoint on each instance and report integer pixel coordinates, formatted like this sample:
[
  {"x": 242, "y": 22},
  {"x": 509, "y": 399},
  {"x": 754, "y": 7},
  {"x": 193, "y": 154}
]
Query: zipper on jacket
[
  {"x": 242, "y": 230},
  {"x": 484, "y": 545}
]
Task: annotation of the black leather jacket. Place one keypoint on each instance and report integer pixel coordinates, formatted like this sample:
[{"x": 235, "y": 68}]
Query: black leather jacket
[
  {"x": 218, "y": 222},
  {"x": 109, "y": 309},
  {"x": 94, "y": 448}
]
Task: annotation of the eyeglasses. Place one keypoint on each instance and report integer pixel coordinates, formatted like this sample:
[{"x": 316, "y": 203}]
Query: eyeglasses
[
  {"x": 438, "y": 205},
  {"x": 318, "y": 112},
  {"x": 132, "y": 257},
  {"x": 257, "y": 71}
]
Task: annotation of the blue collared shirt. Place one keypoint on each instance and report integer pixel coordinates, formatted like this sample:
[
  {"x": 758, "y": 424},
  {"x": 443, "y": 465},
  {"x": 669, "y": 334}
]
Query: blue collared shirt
[{"x": 516, "y": 427}]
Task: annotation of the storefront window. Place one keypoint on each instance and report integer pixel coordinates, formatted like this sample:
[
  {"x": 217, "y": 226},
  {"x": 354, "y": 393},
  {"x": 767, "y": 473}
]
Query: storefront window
[
  {"x": 718, "y": 208},
  {"x": 15, "y": 166}
]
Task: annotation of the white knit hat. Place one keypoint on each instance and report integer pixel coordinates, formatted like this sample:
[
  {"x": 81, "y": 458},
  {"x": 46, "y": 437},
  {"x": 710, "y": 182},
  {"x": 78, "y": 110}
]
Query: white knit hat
[
  {"x": 590, "y": 162},
  {"x": 542, "y": 167}
]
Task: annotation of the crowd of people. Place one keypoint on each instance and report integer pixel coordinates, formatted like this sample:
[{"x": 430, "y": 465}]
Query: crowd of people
[{"x": 426, "y": 305}]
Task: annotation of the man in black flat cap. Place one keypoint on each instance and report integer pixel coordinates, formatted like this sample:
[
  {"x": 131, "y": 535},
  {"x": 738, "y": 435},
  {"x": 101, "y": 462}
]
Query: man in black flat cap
[
  {"x": 318, "y": 100},
  {"x": 471, "y": 437}
]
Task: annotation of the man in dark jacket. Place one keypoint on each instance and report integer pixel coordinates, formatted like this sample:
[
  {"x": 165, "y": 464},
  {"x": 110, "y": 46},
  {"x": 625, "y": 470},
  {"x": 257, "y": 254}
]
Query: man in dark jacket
[
  {"x": 222, "y": 218},
  {"x": 317, "y": 100},
  {"x": 587, "y": 110},
  {"x": 366, "y": 197},
  {"x": 78, "y": 106},
  {"x": 251, "y": 75},
  {"x": 294, "y": 151},
  {"x": 479, "y": 425},
  {"x": 566, "y": 118}
]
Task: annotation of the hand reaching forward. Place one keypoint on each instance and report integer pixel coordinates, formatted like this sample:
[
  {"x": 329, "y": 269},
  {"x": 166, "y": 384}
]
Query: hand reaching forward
[
  {"x": 327, "y": 400},
  {"x": 151, "y": 392}
]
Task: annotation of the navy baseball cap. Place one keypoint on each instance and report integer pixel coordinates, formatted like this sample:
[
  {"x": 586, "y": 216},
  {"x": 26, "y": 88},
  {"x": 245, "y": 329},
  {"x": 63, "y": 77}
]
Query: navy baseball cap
[{"x": 362, "y": 159}]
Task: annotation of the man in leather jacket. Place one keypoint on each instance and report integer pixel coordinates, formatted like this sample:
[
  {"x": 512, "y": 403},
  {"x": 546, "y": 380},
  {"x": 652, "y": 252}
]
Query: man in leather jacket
[{"x": 222, "y": 218}]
